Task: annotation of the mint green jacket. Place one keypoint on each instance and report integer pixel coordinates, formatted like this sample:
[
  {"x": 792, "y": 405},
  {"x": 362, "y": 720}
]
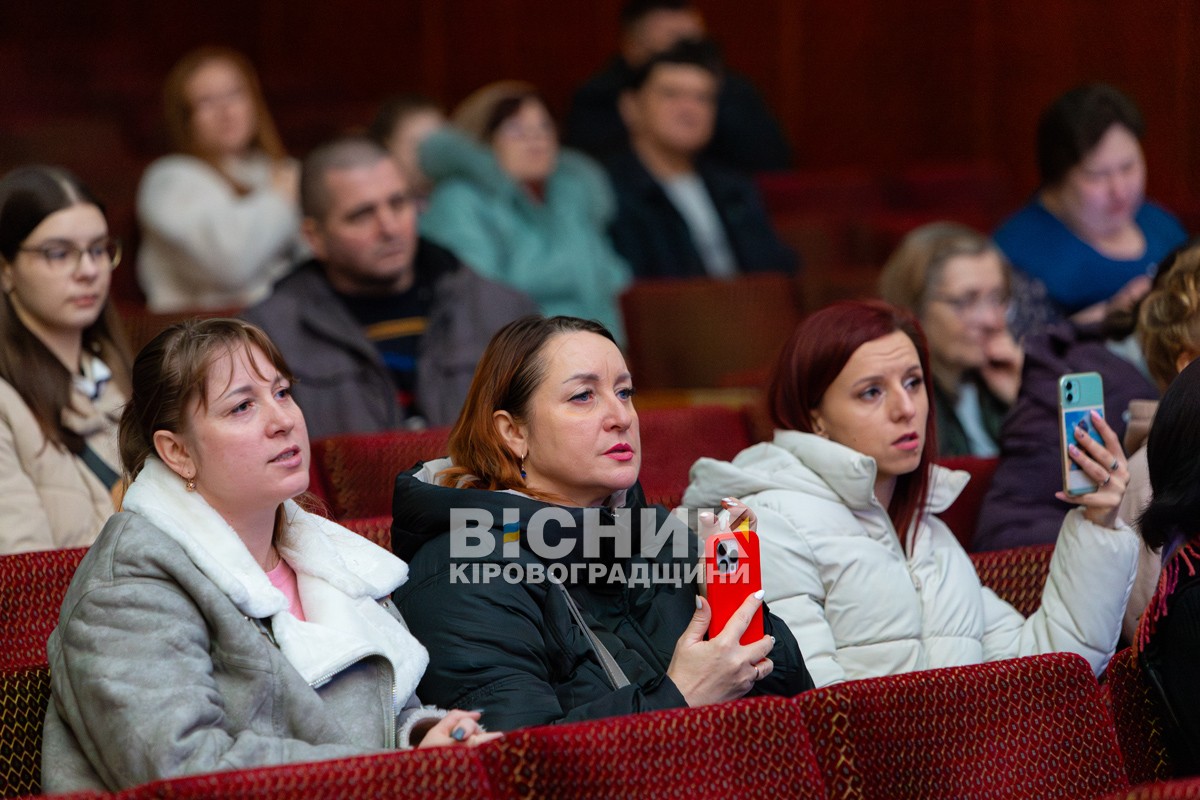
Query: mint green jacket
[{"x": 557, "y": 251}]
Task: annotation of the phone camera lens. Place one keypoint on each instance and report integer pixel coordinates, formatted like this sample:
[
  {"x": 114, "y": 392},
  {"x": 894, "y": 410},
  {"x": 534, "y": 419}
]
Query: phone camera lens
[
  {"x": 1070, "y": 385},
  {"x": 1070, "y": 397}
]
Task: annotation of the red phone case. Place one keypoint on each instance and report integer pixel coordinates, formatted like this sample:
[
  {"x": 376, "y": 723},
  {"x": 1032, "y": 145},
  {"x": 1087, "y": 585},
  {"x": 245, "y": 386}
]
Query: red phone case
[{"x": 733, "y": 573}]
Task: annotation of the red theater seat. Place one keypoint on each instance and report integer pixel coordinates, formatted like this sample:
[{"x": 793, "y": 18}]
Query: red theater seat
[
  {"x": 1017, "y": 575},
  {"x": 1027, "y": 729},
  {"x": 1140, "y": 719},
  {"x": 357, "y": 472},
  {"x": 32, "y": 586},
  {"x": 673, "y": 438},
  {"x": 749, "y": 748},
  {"x": 963, "y": 515},
  {"x": 377, "y": 529},
  {"x": 452, "y": 773},
  {"x": 24, "y": 692}
]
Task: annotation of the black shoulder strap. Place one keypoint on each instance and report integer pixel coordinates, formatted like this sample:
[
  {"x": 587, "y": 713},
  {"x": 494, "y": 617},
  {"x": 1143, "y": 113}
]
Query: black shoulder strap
[{"x": 101, "y": 470}]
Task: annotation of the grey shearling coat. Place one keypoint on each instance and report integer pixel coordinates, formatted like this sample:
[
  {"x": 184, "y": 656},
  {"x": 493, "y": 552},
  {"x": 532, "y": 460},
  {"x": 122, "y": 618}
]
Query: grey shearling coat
[{"x": 175, "y": 655}]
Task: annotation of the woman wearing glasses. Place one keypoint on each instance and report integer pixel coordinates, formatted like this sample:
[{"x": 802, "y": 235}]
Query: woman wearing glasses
[
  {"x": 64, "y": 366},
  {"x": 220, "y": 217},
  {"x": 957, "y": 284}
]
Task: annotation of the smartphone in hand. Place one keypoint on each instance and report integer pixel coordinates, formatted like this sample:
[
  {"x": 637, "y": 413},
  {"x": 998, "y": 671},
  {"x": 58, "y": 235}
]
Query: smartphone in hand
[
  {"x": 1079, "y": 394},
  {"x": 732, "y": 572}
]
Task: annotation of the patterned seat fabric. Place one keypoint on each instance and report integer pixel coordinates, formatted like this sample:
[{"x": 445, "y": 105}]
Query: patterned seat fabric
[
  {"x": 1017, "y": 575},
  {"x": 1025, "y": 728},
  {"x": 32, "y": 586},
  {"x": 453, "y": 773},
  {"x": 1188, "y": 789},
  {"x": 749, "y": 748},
  {"x": 357, "y": 472},
  {"x": 1139, "y": 716},
  {"x": 377, "y": 529},
  {"x": 673, "y": 438},
  {"x": 24, "y": 692}
]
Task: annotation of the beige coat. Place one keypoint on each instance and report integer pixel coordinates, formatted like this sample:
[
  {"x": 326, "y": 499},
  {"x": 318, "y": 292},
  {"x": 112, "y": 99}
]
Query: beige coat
[{"x": 49, "y": 498}]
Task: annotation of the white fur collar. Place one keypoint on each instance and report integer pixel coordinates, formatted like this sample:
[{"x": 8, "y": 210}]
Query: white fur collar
[{"x": 339, "y": 576}]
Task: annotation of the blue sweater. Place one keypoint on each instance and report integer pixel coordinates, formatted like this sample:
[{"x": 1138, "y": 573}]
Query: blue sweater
[{"x": 1075, "y": 274}]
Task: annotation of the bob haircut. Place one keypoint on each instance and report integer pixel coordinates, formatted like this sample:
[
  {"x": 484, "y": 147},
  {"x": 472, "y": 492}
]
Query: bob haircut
[
  {"x": 486, "y": 108},
  {"x": 1076, "y": 122},
  {"x": 1171, "y": 453},
  {"x": 510, "y": 370},
  {"x": 813, "y": 358},
  {"x": 178, "y": 108},
  {"x": 28, "y": 195},
  {"x": 1169, "y": 317},
  {"x": 914, "y": 270},
  {"x": 173, "y": 370}
]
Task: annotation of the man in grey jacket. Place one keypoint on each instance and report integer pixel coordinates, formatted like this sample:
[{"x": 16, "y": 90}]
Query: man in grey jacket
[{"x": 382, "y": 329}]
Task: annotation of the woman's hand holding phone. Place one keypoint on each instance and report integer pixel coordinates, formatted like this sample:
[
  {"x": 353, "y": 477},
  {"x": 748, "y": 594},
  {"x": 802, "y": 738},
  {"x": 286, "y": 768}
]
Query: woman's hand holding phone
[
  {"x": 1106, "y": 466},
  {"x": 721, "y": 668}
]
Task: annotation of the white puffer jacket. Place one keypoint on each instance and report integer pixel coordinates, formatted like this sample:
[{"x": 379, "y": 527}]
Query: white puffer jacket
[{"x": 836, "y": 572}]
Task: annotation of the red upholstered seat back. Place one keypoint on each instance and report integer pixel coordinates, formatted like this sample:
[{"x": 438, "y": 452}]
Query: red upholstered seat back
[
  {"x": 24, "y": 692},
  {"x": 1139, "y": 715},
  {"x": 696, "y": 332},
  {"x": 1188, "y": 789},
  {"x": 32, "y": 586},
  {"x": 1017, "y": 575},
  {"x": 1024, "y": 728},
  {"x": 357, "y": 472},
  {"x": 673, "y": 438},
  {"x": 377, "y": 529},
  {"x": 963, "y": 515},
  {"x": 453, "y": 773},
  {"x": 750, "y": 748}
]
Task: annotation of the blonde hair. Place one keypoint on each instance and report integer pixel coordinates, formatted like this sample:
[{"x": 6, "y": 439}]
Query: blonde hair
[
  {"x": 915, "y": 268},
  {"x": 1169, "y": 317}
]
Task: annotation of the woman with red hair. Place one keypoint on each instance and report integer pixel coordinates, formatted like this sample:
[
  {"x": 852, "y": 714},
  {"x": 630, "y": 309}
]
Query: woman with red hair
[{"x": 854, "y": 559}]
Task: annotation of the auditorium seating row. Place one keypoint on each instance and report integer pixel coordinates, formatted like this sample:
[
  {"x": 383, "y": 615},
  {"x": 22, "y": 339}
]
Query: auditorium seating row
[
  {"x": 1035, "y": 727},
  {"x": 354, "y": 474}
]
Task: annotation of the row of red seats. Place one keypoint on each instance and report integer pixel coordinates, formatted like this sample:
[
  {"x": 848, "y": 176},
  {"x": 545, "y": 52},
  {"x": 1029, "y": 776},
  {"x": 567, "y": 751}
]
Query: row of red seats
[
  {"x": 1035, "y": 727},
  {"x": 32, "y": 586}
]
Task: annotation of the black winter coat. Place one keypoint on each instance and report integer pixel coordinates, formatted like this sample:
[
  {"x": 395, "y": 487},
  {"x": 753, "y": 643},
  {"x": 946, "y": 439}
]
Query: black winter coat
[{"x": 512, "y": 649}]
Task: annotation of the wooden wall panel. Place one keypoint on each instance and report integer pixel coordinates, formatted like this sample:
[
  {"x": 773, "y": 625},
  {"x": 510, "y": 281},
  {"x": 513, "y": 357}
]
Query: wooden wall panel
[{"x": 870, "y": 83}]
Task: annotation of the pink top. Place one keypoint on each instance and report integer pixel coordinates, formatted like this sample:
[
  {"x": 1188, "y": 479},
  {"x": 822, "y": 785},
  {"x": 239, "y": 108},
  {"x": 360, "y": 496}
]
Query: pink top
[{"x": 283, "y": 578}]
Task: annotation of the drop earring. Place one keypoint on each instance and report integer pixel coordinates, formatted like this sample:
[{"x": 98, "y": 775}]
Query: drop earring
[
  {"x": 191, "y": 484},
  {"x": 522, "y": 469}
]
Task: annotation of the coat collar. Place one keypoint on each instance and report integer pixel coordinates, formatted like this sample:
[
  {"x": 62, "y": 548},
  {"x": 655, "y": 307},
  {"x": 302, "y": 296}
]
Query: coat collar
[
  {"x": 851, "y": 474},
  {"x": 339, "y": 575}
]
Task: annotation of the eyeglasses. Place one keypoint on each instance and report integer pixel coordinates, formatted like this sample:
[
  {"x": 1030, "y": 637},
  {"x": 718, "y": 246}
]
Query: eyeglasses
[
  {"x": 64, "y": 258},
  {"x": 975, "y": 303}
]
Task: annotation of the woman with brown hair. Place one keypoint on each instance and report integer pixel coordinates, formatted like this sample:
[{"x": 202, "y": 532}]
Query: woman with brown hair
[
  {"x": 219, "y": 217},
  {"x": 64, "y": 367},
  {"x": 214, "y": 624},
  {"x": 586, "y": 603}
]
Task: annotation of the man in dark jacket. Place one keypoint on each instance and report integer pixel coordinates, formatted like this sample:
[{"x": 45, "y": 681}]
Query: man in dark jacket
[
  {"x": 382, "y": 329},
  {"x": 747, "y": 136},
  {"x": 680, "y": 214}
]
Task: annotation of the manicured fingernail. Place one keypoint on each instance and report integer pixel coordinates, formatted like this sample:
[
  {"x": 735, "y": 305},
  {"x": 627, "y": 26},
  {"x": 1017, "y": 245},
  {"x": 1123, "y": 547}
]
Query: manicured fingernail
[
  {"x": 759, "y": 594},
  {"x": 772, "y": 640},
  {"x": 458, "y": 734},
  {"x": 699, "y": 605},
  {"x": 1096, "y": 414}
]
